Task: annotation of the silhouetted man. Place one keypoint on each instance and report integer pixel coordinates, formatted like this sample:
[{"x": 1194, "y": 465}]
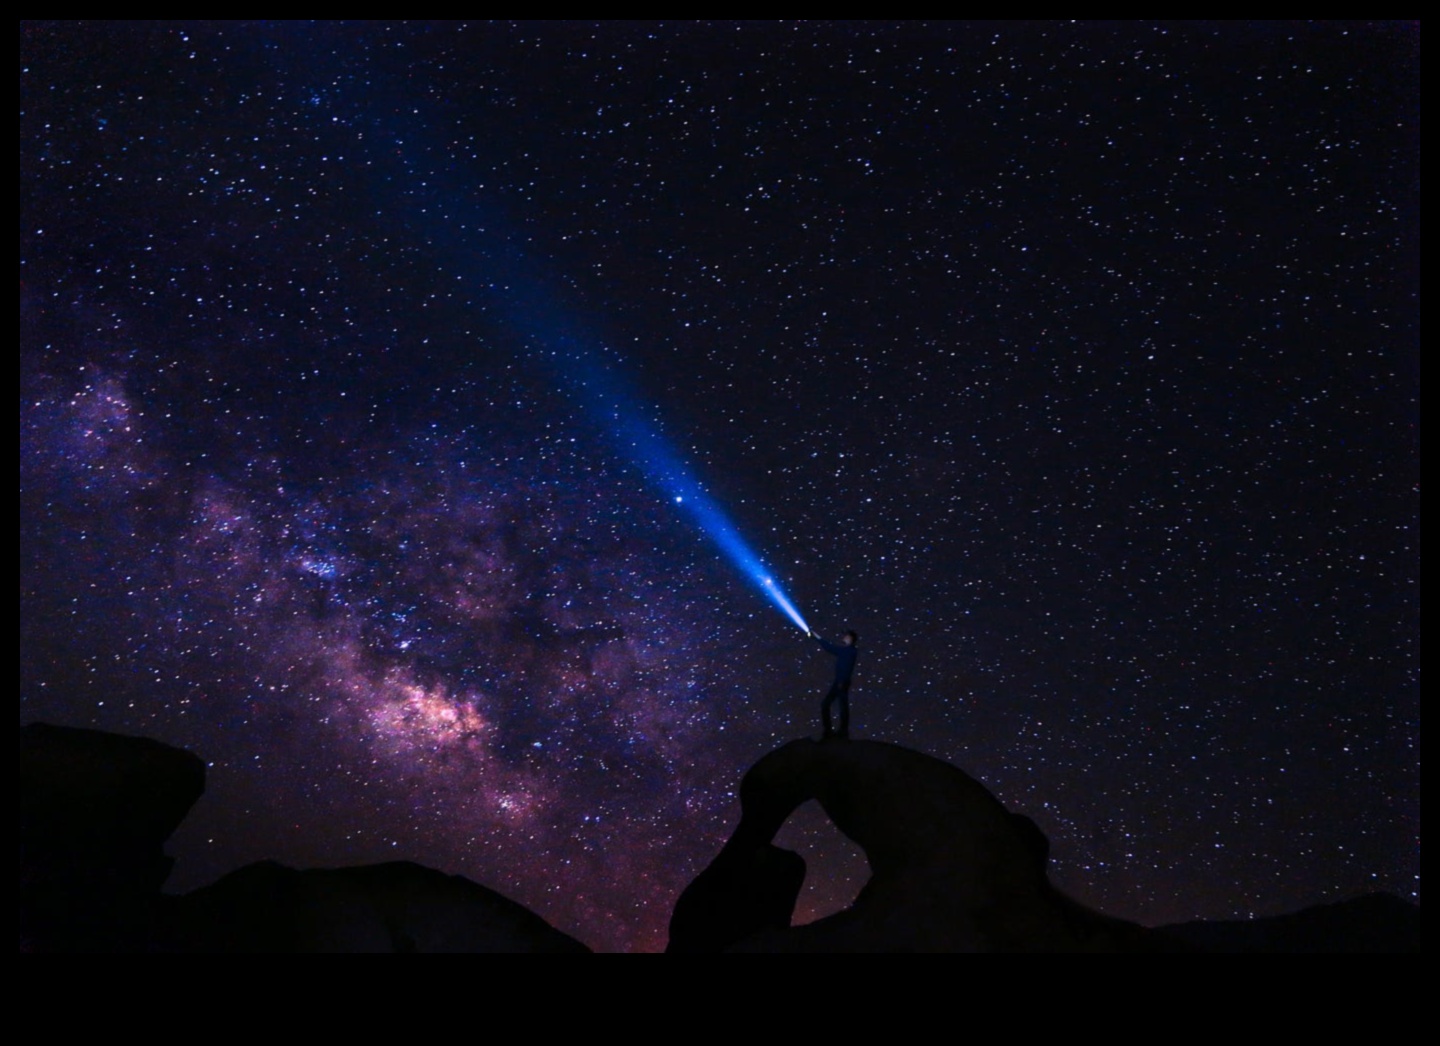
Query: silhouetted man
[{"x": 844, "y": 655}]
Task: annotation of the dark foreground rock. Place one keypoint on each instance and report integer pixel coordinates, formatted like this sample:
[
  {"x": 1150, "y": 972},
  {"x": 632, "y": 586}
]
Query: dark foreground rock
[
  {"x": 95, "y": 812},
  {"x": 750, "y": 887},
  {"x": 952, "y": 869}
]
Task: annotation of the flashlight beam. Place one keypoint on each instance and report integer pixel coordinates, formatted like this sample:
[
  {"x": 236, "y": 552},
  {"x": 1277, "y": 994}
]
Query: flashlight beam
[
  {"x": 503, "y": 273},
  {"x": 664, "y": 466},
  {"x": 779, "y": 599}
]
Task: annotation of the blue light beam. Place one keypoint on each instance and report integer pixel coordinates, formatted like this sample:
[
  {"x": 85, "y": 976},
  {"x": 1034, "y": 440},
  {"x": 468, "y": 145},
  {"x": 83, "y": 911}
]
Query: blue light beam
[
  {"x": 642, "y": 441},
  {"x": 468, "y": 237}
]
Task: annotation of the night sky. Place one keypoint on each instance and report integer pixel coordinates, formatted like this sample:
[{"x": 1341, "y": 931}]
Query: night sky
[{"x": 1074, "y": 365}]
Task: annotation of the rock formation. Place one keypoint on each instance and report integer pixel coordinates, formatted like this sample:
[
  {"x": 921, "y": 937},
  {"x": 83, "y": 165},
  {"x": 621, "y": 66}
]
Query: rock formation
[
  {"x": 394, "y": 907},
  {"x": 952, "y": 869},
  {"x": 95, "y": 812},
  {"x": 1374, "y": 924}
]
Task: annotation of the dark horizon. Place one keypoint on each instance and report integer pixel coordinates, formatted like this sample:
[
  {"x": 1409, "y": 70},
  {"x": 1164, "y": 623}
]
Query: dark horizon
[{"x": 1073, "y": 365}]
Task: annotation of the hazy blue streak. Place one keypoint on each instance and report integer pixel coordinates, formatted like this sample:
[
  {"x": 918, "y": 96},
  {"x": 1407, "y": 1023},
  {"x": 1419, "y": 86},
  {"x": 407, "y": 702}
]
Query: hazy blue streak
[{"x": 465, "y": 233}]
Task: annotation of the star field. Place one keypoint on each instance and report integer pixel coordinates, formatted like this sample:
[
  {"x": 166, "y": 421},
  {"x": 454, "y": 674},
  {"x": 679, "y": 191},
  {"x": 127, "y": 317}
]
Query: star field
[{"x": 1074, "y": 365}]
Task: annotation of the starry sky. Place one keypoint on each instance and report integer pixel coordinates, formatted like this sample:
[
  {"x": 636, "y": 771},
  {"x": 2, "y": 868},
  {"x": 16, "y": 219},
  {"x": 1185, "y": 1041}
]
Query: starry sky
[{"x": 1074, "y": 365}]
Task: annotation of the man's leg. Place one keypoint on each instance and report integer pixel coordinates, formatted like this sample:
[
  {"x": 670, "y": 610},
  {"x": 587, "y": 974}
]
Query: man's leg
[
  {"x": 825, "y": 710},
  {"x": 844, "y": 696}
]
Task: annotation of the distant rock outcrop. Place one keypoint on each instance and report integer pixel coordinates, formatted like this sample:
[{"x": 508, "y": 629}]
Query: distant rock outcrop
[
  {"x": 95, "y": 812},
  {"x": 952, "y": 869},
  {"x": 393, "y": 907},
  {"x": 1377, "y": 923}
]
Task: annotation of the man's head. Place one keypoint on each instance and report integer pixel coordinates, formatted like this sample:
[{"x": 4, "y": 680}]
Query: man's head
[{"x": 850, "y": 638}]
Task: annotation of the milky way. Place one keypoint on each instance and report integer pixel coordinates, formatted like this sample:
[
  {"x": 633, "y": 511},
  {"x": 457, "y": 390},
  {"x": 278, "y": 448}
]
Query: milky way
[{"x": 1075, "y": 366}]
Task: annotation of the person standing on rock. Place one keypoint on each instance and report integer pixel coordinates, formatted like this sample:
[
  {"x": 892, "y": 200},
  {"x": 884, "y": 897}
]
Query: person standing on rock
[{"x": 844, "y": 653}]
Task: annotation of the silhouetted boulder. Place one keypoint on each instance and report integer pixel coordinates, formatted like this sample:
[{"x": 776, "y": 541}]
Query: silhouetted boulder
[
  {"x": 95, "y": 811},
  {"x": 393, "y": 907},
  {"x": 952, "y": 869}
]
